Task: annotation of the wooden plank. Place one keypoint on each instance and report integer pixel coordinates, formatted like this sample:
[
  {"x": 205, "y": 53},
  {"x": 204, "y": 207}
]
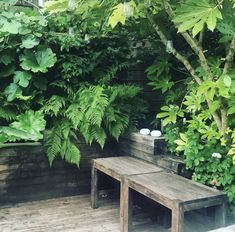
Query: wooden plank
[
  {"x": 126, "y": 205},
  {"x": 25, "y": 174},
  {"x": 171, "y": 187},
  {"x": 94, "y": 187},
  {"x": 117, "y": 167},
  {"x": 144, "y": 139},
  {"x": 73, "y": 214},
  {"x": 177, "y": 218}
]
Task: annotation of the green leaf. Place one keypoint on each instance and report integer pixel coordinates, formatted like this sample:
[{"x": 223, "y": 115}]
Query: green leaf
[
  {"x": 195, "y": 14},
  {"x": 22, "y": 78},
  {"x": 39, "y": 61},
  {"x": 11, "y": 27},
  {"x": 227, "y": 80},
  {"x": 56, "y": 6},
  {"x": 6, "y": 57},
  {"x": 29, "y": 41},
  {"x": 214, "y": 14},
  {"x": 198, "y": 27},
  {"x": 7, "y": 71},
  {"x": 118, "y": 14},
  {"x": 180, "y": 142},
  {"x": 31, "y": 122},
  {"x": 13, "y": 91},
  {"x": 231, "y": 110},
  {"x": 13, "y": 134},
  {"x": 8, "y": 2}
]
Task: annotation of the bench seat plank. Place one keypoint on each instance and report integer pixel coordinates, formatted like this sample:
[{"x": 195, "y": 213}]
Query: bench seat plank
[
  {"x": 117, "y": 167},
  {"x": 173, "y": 187}
]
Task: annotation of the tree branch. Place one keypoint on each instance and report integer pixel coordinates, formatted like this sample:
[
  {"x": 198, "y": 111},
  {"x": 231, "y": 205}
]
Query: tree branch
[
  {"x": 32, "y": 4},
  {"x": 229, "y": 57},
  {"x": 193, "y": 43},
  {"x": 187, "y": 65}
]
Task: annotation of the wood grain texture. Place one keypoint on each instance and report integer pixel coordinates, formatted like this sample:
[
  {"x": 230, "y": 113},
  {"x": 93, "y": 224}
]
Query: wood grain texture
[
  {"x": 25, "y": 174},
  {"x": 117, "y": 167},
  {"x": 178, "y": 194},
  {"x": 173, "y": 187},
  {"x": 73, "y": 214}
]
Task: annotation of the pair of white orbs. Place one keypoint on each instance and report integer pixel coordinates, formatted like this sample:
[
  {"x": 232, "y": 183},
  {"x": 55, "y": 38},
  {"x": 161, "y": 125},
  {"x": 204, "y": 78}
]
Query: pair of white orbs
[{"x": 154, "y": 133}]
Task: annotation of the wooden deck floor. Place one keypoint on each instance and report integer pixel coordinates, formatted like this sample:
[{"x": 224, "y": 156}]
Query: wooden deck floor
[{"x": 73, "y": 214}]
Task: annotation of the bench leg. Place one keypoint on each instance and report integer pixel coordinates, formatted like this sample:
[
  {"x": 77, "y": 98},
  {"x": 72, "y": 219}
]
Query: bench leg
[
  {"x": 126, "y": 203},
  {"x": 177, "y": 224},
  {"x": 221, "y": 214},
  {"x": 94, "y": 187}
]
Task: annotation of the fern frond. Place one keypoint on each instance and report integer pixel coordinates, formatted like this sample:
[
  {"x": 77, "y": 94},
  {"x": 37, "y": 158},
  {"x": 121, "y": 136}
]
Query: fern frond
[
  {"x": 93, "y": 102},
  {"x": 116, "y": 122},
  {"x": 54, "y": 105},
  {"x": 120, "y": 92},
  {"x": 74, "y": 114},
  {"x": 8, "y": 113},
  {"x": 59, "y": 143},
  {"x": 73, "y": 154},
  {"x": 100, "y": 135},
  {"x": 54, "y": 144}
]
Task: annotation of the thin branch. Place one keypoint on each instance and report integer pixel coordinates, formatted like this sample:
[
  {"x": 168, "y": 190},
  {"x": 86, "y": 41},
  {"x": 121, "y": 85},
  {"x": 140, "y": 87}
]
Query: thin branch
[
  {"x": 179, "y": 57},
  {"x": 32, "y": 4},
  {"x": 229, "y": 57},
  {"x": 193, "y": 43},
  {"x": 201, "y": 36},
  {"x": 187, "y": 65}
]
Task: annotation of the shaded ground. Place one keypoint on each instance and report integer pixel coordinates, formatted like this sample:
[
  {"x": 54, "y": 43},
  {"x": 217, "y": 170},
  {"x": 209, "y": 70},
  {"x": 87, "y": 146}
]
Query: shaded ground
[{"x": 73, "y": 214}]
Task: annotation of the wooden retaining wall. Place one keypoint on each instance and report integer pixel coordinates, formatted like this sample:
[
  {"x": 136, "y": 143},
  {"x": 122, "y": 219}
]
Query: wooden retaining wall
[{"x": 25, "y": 174}]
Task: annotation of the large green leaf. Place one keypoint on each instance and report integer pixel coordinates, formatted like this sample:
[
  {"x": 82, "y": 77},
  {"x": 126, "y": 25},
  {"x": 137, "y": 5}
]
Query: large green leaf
[
  {"x": 31, "y": 122},
  {"x": 22, "y": 78},
  {"x": 39, "y": 61},
  {"x": 6, "y": 57},
  {"x": 4, "y": 3},
  {"x": 29, "y": 41},
  {"x": 195, "y": 14},
  {"x": 7, "y": 71},
  {"x": 12, "y": 27},
  {"x": 13, "y": 91},
  {"x": 56, "y": 6},
  {"x": 118, "y": 14}
]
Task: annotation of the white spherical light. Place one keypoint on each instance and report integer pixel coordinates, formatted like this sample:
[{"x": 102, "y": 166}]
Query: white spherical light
[
  {"x": 145, "y": 131},
  {"x": 156, "y": 133}
]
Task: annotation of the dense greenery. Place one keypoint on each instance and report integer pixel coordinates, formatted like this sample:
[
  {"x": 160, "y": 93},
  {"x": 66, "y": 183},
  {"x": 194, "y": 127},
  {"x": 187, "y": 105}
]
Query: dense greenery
[
  {"x": 63, "y": 80},
  {"x": 195, "y": 68}
]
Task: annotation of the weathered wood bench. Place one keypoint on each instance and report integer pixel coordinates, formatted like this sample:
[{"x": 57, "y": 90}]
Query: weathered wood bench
[
  {"x": 174, "y": 192},
  {"x": 146, "y": 156},
  {"x": 118, "y": 168}
]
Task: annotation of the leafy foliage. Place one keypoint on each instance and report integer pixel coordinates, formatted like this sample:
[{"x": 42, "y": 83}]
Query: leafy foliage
[
  {"x": 38, "y": 61},
  {"x": 204, "y": 12},
  {"x": 28, "y": 126}
]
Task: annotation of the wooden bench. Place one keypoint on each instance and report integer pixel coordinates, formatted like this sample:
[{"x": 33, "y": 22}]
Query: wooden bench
[
  {"x": 118, "y": 168},
  {"x": 174, "y": 192}
]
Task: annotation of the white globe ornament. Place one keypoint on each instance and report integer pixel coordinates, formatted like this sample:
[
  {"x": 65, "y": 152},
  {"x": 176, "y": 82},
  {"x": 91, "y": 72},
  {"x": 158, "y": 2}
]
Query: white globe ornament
[
  {"x": 156, "y": 133},
  {"x": 145, "y": 131}
]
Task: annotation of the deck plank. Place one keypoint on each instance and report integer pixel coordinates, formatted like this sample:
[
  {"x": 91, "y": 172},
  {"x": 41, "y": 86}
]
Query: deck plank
[{"x": 73, "y": 214}]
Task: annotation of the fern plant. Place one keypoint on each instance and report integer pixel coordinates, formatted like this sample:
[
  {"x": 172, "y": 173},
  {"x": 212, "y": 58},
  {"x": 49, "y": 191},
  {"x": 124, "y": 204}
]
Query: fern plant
[{"x": 94, "y": 112}]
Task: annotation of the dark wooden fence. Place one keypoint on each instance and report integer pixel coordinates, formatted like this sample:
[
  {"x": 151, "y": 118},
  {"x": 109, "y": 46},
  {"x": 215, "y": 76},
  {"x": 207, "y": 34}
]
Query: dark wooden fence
[{"x": 25, "y": 174}]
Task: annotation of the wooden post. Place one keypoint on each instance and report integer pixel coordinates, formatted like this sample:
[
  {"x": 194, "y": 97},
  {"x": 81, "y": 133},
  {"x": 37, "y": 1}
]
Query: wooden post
[
  {"x": 177, "y": 218},
  {"x": 126, "y": 203},
  {"x": 221, "y": 214},
  {"x": 94, "y": 187}
]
